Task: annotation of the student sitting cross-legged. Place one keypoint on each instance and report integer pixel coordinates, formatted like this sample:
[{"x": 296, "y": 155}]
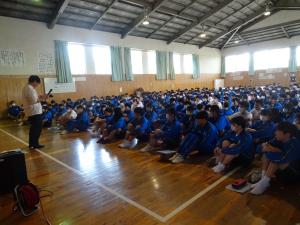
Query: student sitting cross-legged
[
  {"x": 168, "y": 137},
  {"x": 237, "y": 141},
  {"x": 137, "y": 129},
  {"x": 278, "y": 154},
  {"x": 81, "y": 123},
  {"x": 114, "y": 129},
  {"x": 202, "y": 137},
  {"x": 220, "y": 121},
  {"x": 16, "y": 112}
]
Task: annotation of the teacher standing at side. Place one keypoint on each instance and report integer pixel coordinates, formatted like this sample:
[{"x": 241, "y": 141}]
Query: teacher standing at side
[{"x": 33, "y": 109}]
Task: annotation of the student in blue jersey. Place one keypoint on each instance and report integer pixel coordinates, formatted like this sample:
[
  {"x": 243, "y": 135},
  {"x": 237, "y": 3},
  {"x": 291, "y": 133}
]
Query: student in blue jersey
[
  {"x": 16, "y": 112},
  {"x": 187, "y": 119},
  {"x": 115, "y": 129},
  {"x": 227, "y": 111},
  {"x": 150, "y": 114},
  {"x": 202, "y": 137},
  {"x": 278, "y": 154},
  {"x": 288, "y": 112},
  {"x": 128, "y": 113},
  {"x": 220, "y": 121},
  {"x": 168, "y": 136},
  {"x": 101, "y": 123},
  {"x": 236, "y": 141},
  {"x": 81, "y": 123},
  {"x": 262, "y": 130},
  {"x": 47, "y": 117},
  {"x": 274, "y": 103},
  {"x": 137, "y": 130}
]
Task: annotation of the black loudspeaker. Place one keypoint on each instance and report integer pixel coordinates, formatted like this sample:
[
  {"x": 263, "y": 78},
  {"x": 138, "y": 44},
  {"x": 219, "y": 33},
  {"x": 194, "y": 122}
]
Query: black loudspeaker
[{"x": 12, "y": 170}]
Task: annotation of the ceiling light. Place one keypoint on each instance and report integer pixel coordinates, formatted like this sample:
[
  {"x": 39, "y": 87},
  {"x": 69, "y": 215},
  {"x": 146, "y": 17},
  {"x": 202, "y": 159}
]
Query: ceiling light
[
  {"x": 202, "y": 35},
  {"x": 268, "y": 11},
  {"x": 236, "y": 41},
  {"x": 146, "y": 22}
]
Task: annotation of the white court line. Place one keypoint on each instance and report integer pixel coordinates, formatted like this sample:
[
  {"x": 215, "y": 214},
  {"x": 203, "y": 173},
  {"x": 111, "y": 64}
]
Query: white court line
[{"x": 131, "y": 202}]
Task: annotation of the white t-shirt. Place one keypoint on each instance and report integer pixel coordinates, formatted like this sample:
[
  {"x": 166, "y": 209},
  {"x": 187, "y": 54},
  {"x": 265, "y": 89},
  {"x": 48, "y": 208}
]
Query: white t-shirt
[
  {"x": 72, "y": 114},
  {"x": 30, "y": 99}
]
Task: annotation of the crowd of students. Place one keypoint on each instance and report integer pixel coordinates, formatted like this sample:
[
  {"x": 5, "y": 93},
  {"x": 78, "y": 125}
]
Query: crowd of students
[{"x": 233, "y": 124}]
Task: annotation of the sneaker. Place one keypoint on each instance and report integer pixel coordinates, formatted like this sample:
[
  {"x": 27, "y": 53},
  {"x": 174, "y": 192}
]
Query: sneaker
[
  {"x": 133, "y": 143},
  {"x": 39, "y": 146},
  {"x": 64, "y": 132},
  {"x": 147, "y": 148},
  {"x": 178, "y": 159},
  {"x": 173, "y": 157},
  {"x": 125, "y": 144},
  {"x": 259, "y": 188},
  {"x": 20, "y": 123},
  {"x": 218, "y": 168}
]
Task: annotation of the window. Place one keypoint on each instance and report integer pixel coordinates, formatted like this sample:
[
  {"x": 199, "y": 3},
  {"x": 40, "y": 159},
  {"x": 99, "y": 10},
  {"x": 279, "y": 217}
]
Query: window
[
  {"x": 188, "y": 64},
  {"x": 235, "y": 63},
  {"x": 137, "y": 61},
  {"x": 77, "y": 58},
  {"x": 277, "y": 58},
  {"x": 298, "y": 55},
  {"x": 177, "y": 63},
  {"x": 102, "y": 60},
  {"x": 151, "y": 55}
]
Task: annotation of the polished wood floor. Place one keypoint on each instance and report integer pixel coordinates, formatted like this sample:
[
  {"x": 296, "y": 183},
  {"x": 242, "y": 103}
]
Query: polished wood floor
[{"x": 104, "y": 185}]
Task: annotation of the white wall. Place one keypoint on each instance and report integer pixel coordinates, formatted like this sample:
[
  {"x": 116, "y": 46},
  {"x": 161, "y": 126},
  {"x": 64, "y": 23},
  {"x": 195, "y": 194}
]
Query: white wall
[{"x": 34, "y": 37}]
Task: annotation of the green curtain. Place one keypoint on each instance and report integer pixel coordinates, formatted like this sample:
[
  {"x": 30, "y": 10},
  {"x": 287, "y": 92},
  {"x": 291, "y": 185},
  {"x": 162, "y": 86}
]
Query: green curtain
[
  {"x": 223, "y": 69},
  {"x": 161, "y": 65},
  {"x": 117, "y": 64},
  {"x": 251, "y": 71},
  {"x": 62, "y": 62},
  {"x": 172, "y": 75},
  {"x": 196, "y": 66},
  {"x": 293, "y": 60},
  {"x": 127, "y": 64}
]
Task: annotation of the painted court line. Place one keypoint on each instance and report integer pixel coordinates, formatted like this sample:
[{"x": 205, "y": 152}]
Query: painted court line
[{"x": 131, "y": 202}]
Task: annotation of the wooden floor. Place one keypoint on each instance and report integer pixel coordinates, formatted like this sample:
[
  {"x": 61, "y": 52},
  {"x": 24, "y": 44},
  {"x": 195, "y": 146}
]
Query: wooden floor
[{"x": 104, "y": 185}]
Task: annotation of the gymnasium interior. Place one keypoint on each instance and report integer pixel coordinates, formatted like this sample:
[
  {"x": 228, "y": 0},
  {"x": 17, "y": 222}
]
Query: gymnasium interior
[{"x": 219, "y": 68}]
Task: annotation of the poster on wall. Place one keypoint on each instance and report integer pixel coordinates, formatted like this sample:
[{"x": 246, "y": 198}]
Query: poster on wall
[
  {"x": 264, "y": 76},
  {"x": 12, "y": 58},
  {"x": 51, "y": 83},
  {"x": 46, "y": 63}
]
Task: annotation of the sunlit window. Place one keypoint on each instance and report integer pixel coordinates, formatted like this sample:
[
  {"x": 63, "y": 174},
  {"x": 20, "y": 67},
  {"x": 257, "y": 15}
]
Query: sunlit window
[
  {"x": 298, "y": 55},
  {"x": 268, "y": 59},
  {"x": 188, "y": 64},
  {"x": 177, "y": 63},
  {"x": 151, "y": 57},
  {"x": 137, "y": 61},
  {"x": 77, "y": 58},
  {"x": 235, "y": 63},
  {"x": 102, "y": 60}
]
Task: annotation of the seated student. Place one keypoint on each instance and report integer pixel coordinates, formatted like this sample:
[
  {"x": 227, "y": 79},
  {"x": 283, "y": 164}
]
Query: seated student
[
  {"x": 263, "y": 129},
  {"x": 70, "y": 114},
  {"x": 243, "y": 111},
  {"x": 114, "y": 129},
  {"x": 297, "y": 124},
  {"x": 168, "y": 137},
  {"x": 16, "y": 112},
  {"x": 101, "y": 122},
  {"x": 202, "y": 137},
  {"x": 274, "y": 103},
  {"x": 187, "y": 120},
  {"x": 278, "y": 154},
  {"x": 128, "y": 112},
  {"x": 236, "y": 141},
  {"x": 47, "y": 117},
  {"x": 81, "y": 123},
  {"x": 138, "y": 129},
  {"x": 220, "y": 121},
  {"x": 227, "y": 111},
  {"x": 288, "y": 112},
  {"x": 257, "y": 110},
  {"x": 150, "y": 114}
]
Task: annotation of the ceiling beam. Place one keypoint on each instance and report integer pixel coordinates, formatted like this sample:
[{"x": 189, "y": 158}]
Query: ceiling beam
[
  {"x": 202, "y": 19},
  {"x": 243, "y": 39},
  {"x": 242, "y": 7},
  {"x": 173, "y": 16},
  {"x": 141, "y": 17},
  {"x": 61, "y": 6},
  {"x": 238, "y": 25},
  {"x": 231, "y": 36},
  {"x": 104, "y": 13},
  {"x": 285, "y": 32}
]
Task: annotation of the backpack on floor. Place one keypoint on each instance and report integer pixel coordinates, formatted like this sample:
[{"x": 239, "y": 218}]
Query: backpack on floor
[{"x": 28, "y": 198}]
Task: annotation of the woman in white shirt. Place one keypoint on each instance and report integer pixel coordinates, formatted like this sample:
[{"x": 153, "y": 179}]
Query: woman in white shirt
[{"x": 33, "y": 109}]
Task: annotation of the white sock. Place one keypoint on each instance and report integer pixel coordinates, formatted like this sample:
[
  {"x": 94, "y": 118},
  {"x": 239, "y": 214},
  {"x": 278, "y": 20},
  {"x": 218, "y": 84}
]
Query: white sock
[{"x": 263, "y": 173}]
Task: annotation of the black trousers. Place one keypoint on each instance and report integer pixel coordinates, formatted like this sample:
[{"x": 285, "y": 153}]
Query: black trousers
[{"x": 35, "y": 130}]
